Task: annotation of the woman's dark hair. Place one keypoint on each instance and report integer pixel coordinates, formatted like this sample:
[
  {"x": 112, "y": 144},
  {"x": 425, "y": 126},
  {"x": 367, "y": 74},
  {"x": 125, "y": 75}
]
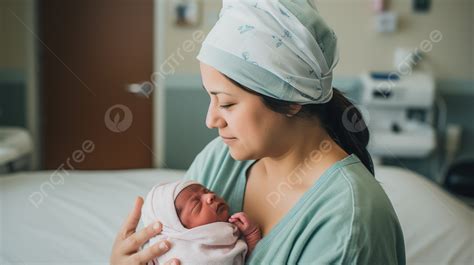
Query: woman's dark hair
[{"x": 339, "y": 117}]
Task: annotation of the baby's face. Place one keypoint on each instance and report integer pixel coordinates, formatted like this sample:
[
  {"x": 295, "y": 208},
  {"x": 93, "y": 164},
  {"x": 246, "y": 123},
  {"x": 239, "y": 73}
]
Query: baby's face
[{"x": 196, "y": 205}]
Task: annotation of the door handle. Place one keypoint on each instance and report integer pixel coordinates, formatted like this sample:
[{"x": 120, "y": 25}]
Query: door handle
[{"x": 140, "y": 89}]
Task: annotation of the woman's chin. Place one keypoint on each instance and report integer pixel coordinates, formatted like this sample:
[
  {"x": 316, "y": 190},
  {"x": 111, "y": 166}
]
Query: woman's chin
[{"x": 238, "y": 155}]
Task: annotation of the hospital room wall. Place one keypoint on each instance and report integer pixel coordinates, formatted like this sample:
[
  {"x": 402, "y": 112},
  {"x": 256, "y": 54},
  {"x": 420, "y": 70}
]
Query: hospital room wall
[
  {"x": 361, "y": 49},
  {"x": 18, "y": 68},
  {"x": 12, "y": 64}
]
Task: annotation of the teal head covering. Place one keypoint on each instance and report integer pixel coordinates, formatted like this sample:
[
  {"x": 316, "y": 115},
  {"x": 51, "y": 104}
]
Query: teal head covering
[{"x": 282, "y": 49}]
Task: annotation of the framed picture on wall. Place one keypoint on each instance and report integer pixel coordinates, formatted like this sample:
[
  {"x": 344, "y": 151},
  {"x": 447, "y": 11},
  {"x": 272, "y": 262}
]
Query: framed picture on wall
[{"x": 186, "y": 13}]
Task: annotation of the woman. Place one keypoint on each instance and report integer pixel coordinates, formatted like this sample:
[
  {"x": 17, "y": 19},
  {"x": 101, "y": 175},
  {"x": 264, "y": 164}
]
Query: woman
[{"x": 287, "y": 154}]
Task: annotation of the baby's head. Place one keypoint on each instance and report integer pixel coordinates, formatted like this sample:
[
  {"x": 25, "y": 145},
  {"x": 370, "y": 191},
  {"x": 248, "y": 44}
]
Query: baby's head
[{"x": 196, "y": 206}]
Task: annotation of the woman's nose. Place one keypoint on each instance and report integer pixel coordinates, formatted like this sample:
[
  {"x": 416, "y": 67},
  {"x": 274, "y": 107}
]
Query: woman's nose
[{"x": 213, "y": 118}]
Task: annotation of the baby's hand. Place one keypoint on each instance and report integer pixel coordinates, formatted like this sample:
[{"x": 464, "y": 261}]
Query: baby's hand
[
  {"x": 250, "y": 230},
  {"x": 242, "y": 221}
]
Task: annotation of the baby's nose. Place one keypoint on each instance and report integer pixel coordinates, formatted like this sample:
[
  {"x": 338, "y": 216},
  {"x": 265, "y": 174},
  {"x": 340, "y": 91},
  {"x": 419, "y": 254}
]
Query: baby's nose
[{"x": 210, "y": 197}]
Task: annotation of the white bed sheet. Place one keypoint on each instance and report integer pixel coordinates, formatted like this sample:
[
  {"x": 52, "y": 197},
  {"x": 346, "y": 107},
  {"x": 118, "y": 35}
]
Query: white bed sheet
[
  {"x": 77, "y": 221},
  {"x": 437, "y": 227}
]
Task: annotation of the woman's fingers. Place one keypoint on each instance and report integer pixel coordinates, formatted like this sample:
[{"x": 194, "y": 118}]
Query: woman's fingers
[
  {"x": 135, "y": 241},
  {"x": 130, "y": 225},
  {"x": 148, "y": 254},
  {"x": 129, "y": 241}
]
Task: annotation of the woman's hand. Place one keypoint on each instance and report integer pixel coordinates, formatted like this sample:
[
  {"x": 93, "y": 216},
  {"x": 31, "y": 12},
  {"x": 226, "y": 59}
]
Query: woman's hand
[{"x": 126, "y": 248}]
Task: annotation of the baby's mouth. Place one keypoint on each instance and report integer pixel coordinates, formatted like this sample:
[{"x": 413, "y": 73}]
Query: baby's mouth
[{"x": 220, "y": 207}]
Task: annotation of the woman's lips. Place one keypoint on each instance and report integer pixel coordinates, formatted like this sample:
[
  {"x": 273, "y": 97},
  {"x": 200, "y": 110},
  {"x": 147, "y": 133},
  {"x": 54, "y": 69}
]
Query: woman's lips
[{"x": 228, "y": 139}]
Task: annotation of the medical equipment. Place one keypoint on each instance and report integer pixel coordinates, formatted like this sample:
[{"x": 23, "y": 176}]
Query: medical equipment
[
  {"x": 400, "y": 113},
  {"x": 460, "y": 180}
]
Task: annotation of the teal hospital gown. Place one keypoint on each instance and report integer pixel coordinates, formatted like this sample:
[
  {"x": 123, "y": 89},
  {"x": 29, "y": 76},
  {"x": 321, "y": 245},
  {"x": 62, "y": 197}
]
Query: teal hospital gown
[{"x": 344, "y": 218}]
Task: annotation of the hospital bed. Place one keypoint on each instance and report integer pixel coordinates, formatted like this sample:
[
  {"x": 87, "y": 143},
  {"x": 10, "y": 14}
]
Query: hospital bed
[{"x": 73, "y": 219}]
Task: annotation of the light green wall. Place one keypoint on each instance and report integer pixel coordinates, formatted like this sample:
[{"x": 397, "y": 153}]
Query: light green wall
[
  {"x": 13, "y": 34},
  {"x": 361, "y": 48},
  {"x": 18, "y": 62}
]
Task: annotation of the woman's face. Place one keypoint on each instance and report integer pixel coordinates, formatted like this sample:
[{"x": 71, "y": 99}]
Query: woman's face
[{"x": 246, "y": 125}]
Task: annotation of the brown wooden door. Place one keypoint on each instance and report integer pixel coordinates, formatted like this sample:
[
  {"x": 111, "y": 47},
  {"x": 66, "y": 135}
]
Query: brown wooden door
[{"x": 89, "y": 51}]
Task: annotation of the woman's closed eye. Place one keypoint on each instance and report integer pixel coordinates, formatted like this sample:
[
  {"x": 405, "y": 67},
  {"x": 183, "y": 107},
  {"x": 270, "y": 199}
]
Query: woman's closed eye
[{"x": 225, "y": 106}]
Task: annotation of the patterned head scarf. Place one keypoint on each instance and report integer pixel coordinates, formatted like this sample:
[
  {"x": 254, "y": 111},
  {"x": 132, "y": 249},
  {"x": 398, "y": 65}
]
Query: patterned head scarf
[{"x": 282, "y": 49}]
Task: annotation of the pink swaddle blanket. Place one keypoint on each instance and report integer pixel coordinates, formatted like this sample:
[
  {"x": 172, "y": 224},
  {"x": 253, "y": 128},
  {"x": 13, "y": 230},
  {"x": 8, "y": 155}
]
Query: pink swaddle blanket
[{"x": 214, "y": 243}]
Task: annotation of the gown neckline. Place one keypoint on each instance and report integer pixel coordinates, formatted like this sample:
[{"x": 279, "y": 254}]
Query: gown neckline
[{"x": 289, "y": 215}]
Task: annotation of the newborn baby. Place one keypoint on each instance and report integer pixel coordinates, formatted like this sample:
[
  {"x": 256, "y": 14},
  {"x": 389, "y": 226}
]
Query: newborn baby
[{"x": 197, "y": 223}]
